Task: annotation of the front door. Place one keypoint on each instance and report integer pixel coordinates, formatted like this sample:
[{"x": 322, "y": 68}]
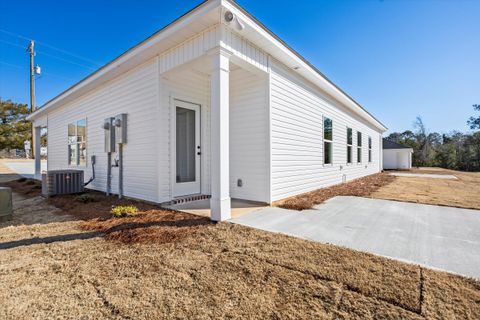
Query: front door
[{"x": 187, "y": 149}]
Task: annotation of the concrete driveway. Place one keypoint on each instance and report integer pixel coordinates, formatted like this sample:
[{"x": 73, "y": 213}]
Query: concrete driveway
[
  {"x": 440, "y": 237},
  {"x": 24, "y": 167}
]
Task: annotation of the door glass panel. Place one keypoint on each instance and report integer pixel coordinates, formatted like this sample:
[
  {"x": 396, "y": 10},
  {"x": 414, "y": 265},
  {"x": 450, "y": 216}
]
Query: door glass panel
[{"x": 185, "y": 145}]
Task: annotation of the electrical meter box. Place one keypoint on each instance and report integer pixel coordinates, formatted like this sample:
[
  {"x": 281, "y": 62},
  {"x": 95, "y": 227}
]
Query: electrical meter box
[
  {"x": 120, "y": 123},
  {"x": 109, "y": 130}
]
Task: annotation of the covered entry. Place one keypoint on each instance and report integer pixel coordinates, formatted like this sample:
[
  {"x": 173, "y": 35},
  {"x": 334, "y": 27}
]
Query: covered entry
[{"x": 218, "y": 113}]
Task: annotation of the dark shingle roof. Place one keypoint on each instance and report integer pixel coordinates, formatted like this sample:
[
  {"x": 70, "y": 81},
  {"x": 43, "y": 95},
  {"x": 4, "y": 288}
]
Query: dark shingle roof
[{"x": 387, "y": 144}]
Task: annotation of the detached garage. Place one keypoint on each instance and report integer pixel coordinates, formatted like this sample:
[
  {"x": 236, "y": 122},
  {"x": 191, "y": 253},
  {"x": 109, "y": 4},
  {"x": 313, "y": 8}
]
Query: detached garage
[{"x": 396, "y": 156}]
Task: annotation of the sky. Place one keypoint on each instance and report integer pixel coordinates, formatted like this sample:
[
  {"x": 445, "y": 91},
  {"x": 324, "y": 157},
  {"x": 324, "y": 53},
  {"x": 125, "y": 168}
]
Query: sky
[{"x": 398, "y": 58}]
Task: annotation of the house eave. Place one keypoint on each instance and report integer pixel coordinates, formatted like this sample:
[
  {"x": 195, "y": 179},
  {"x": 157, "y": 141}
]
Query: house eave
[
  {"x": 126, "y": 61},
  {"x": 285, "y": 53},
  {"x": 144, "y": 50}
]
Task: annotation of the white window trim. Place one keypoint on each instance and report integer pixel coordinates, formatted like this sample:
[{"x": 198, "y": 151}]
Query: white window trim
[
  {"x": 351, "y": 148},
  {"x": 70, "y": 165},
  {"x": 360, "y": 147},
  {"x": 328, "y": 141},
  {"x": 369, "y": 147}
]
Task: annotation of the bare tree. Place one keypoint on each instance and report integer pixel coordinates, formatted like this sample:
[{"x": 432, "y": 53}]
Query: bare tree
[{"x": 421, "y": 135}]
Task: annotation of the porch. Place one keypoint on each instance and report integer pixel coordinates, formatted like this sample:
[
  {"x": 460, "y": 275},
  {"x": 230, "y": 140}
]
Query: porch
[
  {"x": 238, "y": 208},
  {"x": 218, "y": 134}
]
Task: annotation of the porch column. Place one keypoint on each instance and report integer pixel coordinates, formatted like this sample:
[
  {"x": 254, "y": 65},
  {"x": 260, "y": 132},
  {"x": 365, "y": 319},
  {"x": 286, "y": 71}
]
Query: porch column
[
  {"x": 220, "y": 135},
  {"x": 36, "y": 140}
]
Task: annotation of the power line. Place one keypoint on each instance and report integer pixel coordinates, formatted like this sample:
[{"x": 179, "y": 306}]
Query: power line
[
  {"x": 52, "y": 47},
  {"x": 70, "y": 53},
  {"x": 12, "y": 44},
  {"x": 65, "y": 60},
  {"x": 12, "y": 65},
  {"x": 43, "y": 72},
  {"x": 50, "y": 55}
]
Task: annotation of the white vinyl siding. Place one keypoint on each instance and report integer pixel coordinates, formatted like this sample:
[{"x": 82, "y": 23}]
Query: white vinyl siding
[
  {"x": 297, "y": 110},
  {"x": 248, "y": 135},
  {"x": 134, "y": 93}
]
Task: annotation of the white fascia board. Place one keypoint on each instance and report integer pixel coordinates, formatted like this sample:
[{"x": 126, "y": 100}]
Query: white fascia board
[
  {"x": 306, "y": 69},
  {"x": 123, "y": 63}
]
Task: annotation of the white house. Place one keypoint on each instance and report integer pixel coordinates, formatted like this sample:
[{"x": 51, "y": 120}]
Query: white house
[
  {"x": 216, "y": 105},
  {"x": 396, "y": 156}
]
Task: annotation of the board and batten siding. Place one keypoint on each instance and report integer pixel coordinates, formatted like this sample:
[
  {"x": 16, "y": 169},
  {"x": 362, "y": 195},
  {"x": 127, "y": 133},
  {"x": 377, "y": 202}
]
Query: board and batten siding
[
  {"x": 134, "y": 93},
  {"x": 297, "y": 112},
  {"x": 248, "y": 135}
]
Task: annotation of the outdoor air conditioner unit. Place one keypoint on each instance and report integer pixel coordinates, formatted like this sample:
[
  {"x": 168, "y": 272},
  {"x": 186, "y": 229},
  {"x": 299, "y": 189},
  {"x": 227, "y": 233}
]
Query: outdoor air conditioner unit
[{"x": 57, "y": 182}]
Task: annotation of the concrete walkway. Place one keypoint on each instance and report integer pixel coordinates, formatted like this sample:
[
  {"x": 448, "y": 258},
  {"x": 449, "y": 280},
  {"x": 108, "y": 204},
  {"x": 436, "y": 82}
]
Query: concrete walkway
[
  {"x": 424, "y": 175},
  {"x": 440, "y": 237},
  {"x": 24, "y": 167}
]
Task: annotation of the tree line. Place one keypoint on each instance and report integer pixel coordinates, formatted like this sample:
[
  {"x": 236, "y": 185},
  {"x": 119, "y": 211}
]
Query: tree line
[
  {"x": 14, "y": 127},
  {"x": 454, "y": 150}
]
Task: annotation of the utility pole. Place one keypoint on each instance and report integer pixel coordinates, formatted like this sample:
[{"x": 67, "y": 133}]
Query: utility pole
[{"x": 31, "y": 50}]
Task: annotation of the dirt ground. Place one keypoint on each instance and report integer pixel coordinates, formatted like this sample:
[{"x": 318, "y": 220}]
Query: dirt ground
[
  {"x": 361, "y": 187},
  {"x": 164, "y": 264},
  {"x": 463, "y": 193}
]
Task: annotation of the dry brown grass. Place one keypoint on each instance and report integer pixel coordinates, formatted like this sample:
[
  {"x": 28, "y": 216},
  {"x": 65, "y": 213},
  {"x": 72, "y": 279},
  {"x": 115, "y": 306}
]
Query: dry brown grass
[
  {"x": 360, "y": 187},
  {"x": 462, "y": 193},
  {"x": 222, "y": 271},
  {"x": 162, "y": 264},
  {"x": 153, "y": 226}
]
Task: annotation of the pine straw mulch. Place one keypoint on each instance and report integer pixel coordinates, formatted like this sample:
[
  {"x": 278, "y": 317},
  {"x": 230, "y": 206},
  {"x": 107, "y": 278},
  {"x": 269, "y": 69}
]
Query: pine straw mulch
[
  {"x": 362, "y": 187},
  {"x": 150, "y": 225},
  {"x": 98, "y": 206},
  {"x": 153, "y": 226}
]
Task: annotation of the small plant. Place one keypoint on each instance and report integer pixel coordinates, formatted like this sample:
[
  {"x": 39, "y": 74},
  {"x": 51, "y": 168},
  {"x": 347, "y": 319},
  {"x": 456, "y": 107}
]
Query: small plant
[
  {"x": 123, "y": 211},
  {"x": 23, "y": 179},
  {"x": 30, "y": 182},
  {"x": 85, "y": 198}
]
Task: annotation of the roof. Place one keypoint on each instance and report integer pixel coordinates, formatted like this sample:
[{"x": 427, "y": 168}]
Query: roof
[
  {"x": 388, "y": 144},
  {"x": 127, "y": 59}
]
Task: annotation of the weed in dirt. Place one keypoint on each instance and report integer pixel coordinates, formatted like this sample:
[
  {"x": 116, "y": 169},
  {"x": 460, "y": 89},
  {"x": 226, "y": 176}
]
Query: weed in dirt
[
  {"x": 85, "y": 198},
  {"x": 123, "y": 211}
]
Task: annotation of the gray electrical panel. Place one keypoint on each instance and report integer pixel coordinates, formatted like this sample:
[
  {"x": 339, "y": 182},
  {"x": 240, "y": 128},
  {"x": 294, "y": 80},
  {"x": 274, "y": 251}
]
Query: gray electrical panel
[
  {"x": 109, "y": 129},
  {"x": 120, "y": 123}
]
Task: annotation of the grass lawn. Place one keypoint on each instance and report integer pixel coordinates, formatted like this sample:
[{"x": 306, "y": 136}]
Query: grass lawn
[
  {"x": 463, "y": 192},
  {"x": 164, "y": 264}
]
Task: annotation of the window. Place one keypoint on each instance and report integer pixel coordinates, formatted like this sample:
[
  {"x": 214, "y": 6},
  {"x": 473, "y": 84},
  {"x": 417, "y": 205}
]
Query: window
[
  {"x": 77, "y": 143},
  {"x": 327, "y": 140},
  {"x": 359, "y": 147},
  {"x": 369, "y": 149},
  {"x": 349, "y": 144}
]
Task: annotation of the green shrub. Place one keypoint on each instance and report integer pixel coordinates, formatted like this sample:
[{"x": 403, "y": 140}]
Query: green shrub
[
  {"x": 23, "y": 179},
  {"x": 123, "y": 211},
  {"x": 30, "y": 182},
  {"x": 85, "y": 198}
]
